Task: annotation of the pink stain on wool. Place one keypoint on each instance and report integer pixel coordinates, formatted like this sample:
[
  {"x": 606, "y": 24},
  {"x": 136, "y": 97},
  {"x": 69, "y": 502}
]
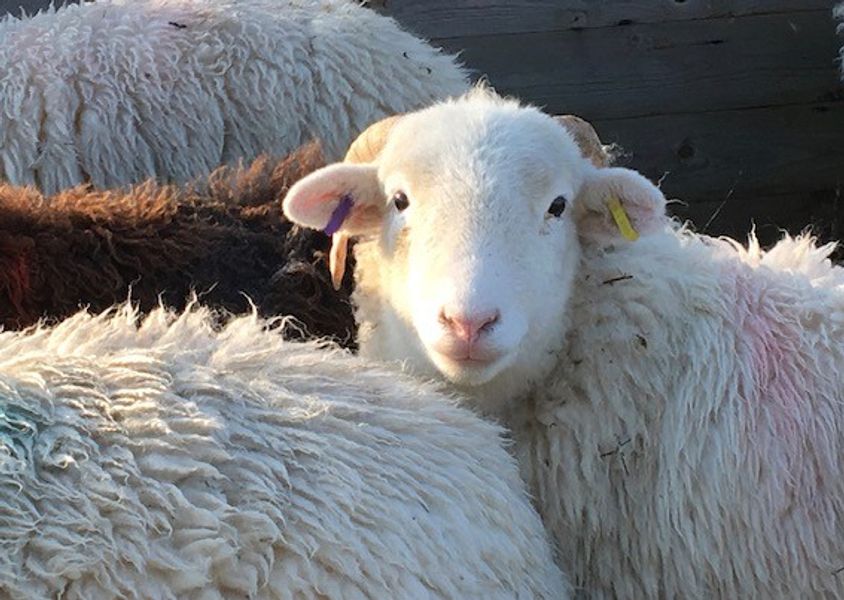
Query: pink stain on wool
[
  {"x": 779, "y": 397},
  {"x": 774, "y": 382}
]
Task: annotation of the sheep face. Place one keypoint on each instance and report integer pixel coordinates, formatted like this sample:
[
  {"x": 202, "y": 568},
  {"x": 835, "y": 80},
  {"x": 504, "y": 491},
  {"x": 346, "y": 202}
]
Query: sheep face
[
  {"x": 476, "y": 238},
  {"x": 469, "y": 221}
]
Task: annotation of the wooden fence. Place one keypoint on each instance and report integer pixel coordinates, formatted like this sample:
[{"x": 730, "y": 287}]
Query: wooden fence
[{"x": 735, "y": 105}]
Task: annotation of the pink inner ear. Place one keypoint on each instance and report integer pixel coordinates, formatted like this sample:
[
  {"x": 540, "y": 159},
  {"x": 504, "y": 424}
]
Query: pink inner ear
[
  {"x": 646, "y": 208},
  {"x": 332, "y": 199},
  {"x": 642, "y": 202},
  {"x": 338, "y": 216},
  {"x": 313, "y": 207},
  {"x": 641, "y": 199}
]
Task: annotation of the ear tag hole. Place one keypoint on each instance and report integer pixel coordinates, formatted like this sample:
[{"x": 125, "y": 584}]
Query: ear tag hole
[
  {"x": 619, "y": 215},
  {"x": 338, "y": 216}
]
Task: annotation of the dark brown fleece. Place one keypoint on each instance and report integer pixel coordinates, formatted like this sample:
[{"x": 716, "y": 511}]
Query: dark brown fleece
[{"x": 224, "y": 237}]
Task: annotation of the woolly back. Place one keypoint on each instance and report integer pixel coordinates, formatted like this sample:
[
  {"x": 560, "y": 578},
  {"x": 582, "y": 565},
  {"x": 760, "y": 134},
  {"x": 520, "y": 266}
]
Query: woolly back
[
  {"x": 170, "y": 458},
  {"x": 223, "y": 237},
  {"x": 112, "y": 93}
]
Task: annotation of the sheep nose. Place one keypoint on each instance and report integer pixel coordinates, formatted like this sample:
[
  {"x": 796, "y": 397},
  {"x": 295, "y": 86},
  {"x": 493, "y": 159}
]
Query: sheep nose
[{"x": 469, "y": 327}]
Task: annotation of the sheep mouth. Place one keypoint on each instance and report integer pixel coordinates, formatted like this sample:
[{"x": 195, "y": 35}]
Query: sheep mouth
[
  {"x": 461, "y": 352},
  {"x": 469, "y": 370},
  {"x": 470, "y": 358}
]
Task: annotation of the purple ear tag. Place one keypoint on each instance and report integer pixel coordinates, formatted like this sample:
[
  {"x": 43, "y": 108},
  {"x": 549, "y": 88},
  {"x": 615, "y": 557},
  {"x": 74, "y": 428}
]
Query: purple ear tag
[{"x": 339, "y": 215}]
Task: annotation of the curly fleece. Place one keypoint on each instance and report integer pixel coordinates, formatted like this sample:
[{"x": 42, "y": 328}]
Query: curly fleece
[
  {"x": 169, "y": 459},
  {"x": 224, "y": 238},
  {"x": 689, "y": 443},
  {"x": 114, "y": 92}
]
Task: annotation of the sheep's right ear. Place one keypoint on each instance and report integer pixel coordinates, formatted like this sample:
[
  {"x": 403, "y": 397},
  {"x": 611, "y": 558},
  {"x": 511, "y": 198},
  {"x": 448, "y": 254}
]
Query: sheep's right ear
[
  {"x": 339, "y": 198},
  {"x": 343, "y": 200}
]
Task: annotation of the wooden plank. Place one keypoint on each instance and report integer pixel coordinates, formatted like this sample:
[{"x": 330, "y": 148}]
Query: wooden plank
[
  {"x": 449, "y": 18},
  {"x": 769, "y": 214},
  {"x": 729, "y": 155},
  {"x": 29, "y": 6},
  {"x": 688, "y": 66}
]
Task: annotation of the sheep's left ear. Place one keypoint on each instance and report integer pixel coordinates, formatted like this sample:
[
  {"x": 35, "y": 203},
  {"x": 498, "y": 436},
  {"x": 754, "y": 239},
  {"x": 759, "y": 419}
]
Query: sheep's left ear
[{"x": 616, "y": 204}]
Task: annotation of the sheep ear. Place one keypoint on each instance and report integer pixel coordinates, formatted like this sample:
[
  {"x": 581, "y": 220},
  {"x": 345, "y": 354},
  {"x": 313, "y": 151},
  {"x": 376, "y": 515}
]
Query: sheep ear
[
  {"x": 340, "y": 198},
  {"x": 617, "y": 204},
  {"x": 343, "y": 200}
]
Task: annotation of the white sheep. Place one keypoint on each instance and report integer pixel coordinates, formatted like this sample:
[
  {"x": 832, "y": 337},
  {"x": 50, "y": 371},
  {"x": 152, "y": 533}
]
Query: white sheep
[
  {"x": 114, "y": 92},
  {"x": 168, "y": 459},
  {"x": 677, "y": 401}
]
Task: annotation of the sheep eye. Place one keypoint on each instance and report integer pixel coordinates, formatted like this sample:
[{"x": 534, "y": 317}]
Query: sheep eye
[
  {"x": 557, "y": 206},
  {"x": 400, "y": 201}
]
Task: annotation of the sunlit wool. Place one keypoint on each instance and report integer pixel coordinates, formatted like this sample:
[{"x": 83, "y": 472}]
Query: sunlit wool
[
  {"x": 168, "y": 459},
  {"x": 676, "y": 401},
  {"x": 114, "y": 92}
]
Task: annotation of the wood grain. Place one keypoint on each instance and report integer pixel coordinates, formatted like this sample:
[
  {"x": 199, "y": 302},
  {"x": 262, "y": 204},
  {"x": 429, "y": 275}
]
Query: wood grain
[
  {"x": 700, "y": 157},
  {"x": 30, "y": 6},
  {"x": 450, "y": 18},
  {"x": 769, "y": 216},
  {"x": 638, "y": 70}
]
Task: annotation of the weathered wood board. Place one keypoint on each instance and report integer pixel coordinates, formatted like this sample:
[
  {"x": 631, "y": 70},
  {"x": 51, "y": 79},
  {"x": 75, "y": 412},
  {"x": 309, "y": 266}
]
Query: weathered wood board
[
  {"x": 777, "y": 167},
  {"x": 29, "y": 6},
  {"x": 457, "y": 18},
  {"x": 659, "y": 68}
]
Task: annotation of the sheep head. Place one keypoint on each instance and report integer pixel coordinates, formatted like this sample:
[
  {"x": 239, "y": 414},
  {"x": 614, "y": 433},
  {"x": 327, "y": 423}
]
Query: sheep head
[{"x": 471, "y": 217}]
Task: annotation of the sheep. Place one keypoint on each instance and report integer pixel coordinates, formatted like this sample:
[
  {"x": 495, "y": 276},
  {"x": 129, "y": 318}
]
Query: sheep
[
  {"x": 222, "y": 237},
  {"x": 171, "y": 459},
  {"x": 675, "y": 400},
  {"x": 112, "y": 93}
]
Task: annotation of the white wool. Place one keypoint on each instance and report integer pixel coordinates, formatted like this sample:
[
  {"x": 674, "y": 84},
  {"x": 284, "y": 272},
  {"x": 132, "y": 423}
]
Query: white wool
[
  {"x": 167, "y": 459},
  {"x": 689, "y": 441},
  {"x": 114, "y": 92},
  {"x": 676, "y": 401}
]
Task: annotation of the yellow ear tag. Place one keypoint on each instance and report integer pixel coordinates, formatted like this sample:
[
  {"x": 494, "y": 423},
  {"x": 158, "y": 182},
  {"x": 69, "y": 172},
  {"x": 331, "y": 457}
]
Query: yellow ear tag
[{"x": 620, "y": 217}]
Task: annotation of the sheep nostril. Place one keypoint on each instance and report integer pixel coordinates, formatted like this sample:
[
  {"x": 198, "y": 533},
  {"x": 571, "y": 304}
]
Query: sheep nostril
[
  {"x": 469, "y": 326},
  {"x": 491, "y": 322}
]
